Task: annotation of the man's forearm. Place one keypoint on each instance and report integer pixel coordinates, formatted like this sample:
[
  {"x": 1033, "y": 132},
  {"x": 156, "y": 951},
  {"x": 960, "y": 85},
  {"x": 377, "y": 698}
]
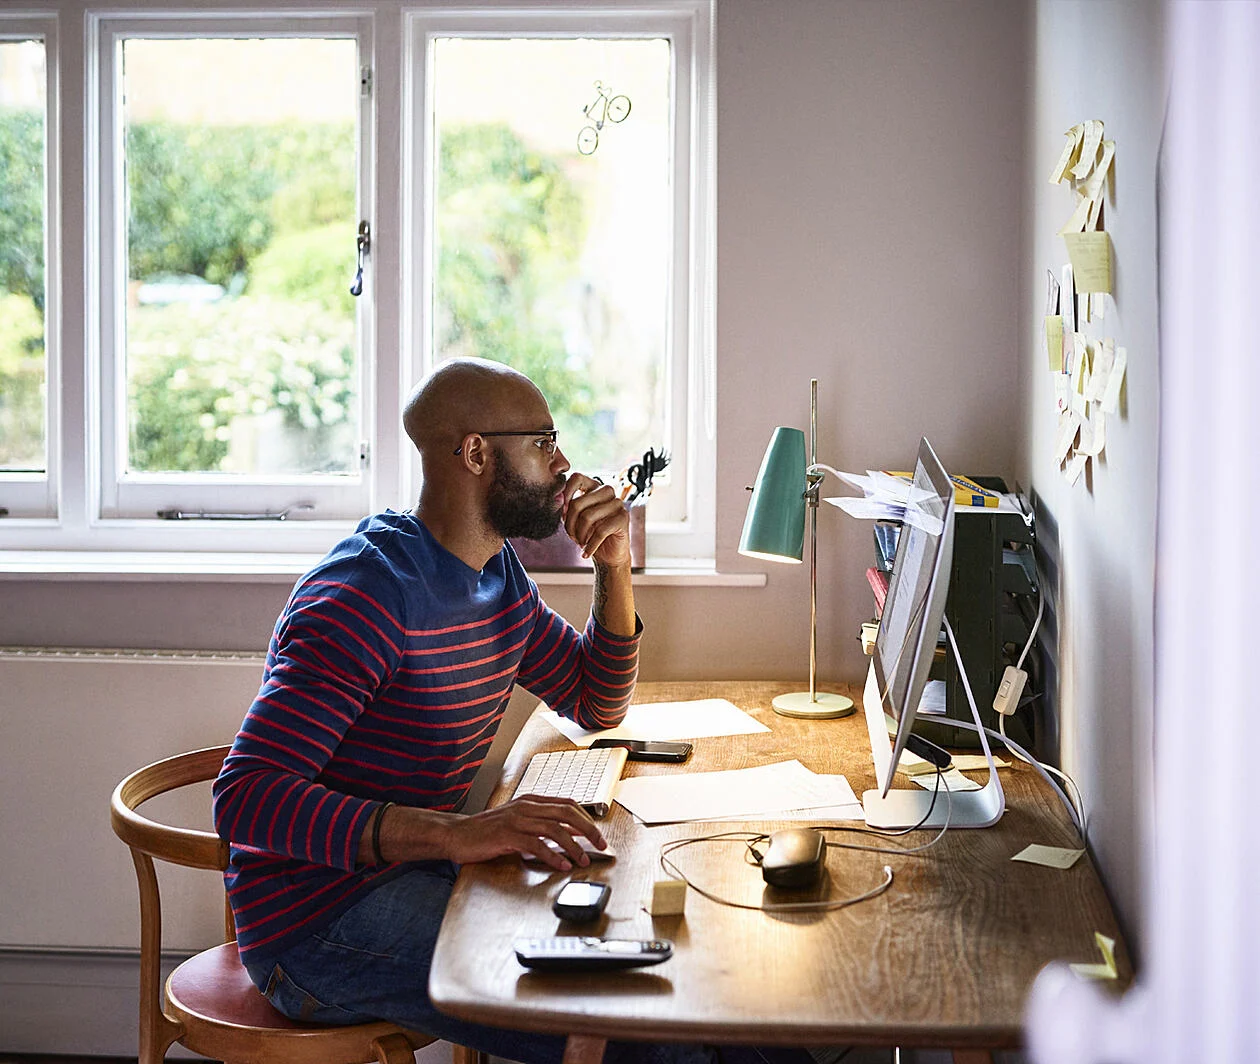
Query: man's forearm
[
  {"x": 408, "y": 834},
  {"x": 613, "y": 600}
]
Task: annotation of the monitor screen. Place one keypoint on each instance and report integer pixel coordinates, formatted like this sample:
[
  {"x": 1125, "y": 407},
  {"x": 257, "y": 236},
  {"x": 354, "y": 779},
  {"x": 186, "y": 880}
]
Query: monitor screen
[{"x": 915, "y": 606}]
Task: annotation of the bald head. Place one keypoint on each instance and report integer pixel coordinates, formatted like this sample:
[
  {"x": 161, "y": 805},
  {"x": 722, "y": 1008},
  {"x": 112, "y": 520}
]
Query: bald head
[{"x": 467, "y": 395}]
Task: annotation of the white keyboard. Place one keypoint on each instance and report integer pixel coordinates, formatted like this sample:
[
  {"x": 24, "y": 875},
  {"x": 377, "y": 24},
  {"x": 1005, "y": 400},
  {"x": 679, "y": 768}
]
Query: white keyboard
[{"x": 589, "y": 777}]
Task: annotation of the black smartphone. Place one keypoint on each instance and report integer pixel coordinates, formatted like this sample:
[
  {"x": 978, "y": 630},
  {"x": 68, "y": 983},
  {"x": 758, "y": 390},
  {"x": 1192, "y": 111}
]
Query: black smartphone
[
  {"x": 648, "y": 749},
  {"x": 580, "y": 900}
]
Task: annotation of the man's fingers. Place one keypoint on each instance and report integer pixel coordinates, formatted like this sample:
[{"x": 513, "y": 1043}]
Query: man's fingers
[{"x": 593, "y": 518}]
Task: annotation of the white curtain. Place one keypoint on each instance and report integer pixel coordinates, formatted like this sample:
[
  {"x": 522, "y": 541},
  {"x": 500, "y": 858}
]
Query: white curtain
[{"x": 1198, "y": 997}]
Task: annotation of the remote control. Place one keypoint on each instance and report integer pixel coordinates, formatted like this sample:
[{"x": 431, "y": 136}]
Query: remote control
[{"x": 579, "y": 953}]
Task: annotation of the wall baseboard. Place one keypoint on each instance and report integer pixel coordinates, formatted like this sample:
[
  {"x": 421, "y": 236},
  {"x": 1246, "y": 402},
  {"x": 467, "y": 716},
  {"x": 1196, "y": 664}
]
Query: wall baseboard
[
  {"x": 73, "y": 1002},
  {"x": 86, "y": 1003}
]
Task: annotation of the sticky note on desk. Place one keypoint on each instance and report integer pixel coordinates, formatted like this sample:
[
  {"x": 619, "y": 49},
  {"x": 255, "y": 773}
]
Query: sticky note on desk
[
  {"x": 1105, "y": 970},
  {"x": 976, "y": 762},
  {"x": 1050, "y": 856},
  {"x": 951, "y": 780}
]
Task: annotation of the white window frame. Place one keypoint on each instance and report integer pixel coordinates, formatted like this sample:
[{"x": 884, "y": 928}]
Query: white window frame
[
  {"x": 33, "y": 496},
  {"x": 686, "y": 527},
  {"x": 136, "y": 497},
  {"x": 67, "y": 510}
]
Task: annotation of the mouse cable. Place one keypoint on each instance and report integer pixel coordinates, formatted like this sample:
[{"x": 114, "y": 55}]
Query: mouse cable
[{"x": 774, "y": 907}]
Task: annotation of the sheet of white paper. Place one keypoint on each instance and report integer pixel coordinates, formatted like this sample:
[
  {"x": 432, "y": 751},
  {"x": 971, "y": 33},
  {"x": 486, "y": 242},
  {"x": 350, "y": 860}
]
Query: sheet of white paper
[
  {"x": 868, "y": 508},
  {"x": 664, "y": 720},
  {"x": 1073, "y": 470},
  {"x": 763, "y": 790},
  {"x": 821, "y": 814},
  {"x": 951, "y": 779},
  {"x": 932, "y": 700},
  {"x": 842, "y": 803}
]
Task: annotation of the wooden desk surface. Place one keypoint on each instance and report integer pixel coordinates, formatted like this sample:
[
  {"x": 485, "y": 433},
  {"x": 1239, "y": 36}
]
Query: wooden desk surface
[{"x": 943, "y": 958}]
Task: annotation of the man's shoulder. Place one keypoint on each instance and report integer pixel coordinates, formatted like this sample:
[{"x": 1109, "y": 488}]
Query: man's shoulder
[{"x": 374, "y": 556}]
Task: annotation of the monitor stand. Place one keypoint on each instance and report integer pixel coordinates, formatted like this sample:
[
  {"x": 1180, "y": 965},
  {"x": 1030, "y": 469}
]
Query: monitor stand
[{"x": 905, "y": 808}]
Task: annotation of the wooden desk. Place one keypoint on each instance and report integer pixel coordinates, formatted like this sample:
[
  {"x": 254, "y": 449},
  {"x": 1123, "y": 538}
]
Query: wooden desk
[{"x": 944, "y": 958}]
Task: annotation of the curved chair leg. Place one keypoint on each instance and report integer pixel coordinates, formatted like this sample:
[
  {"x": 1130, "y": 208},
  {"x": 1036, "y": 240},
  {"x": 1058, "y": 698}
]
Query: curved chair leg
[
  {"x": 464, "y": 1055},
  {"x": 393, "y": 1049}
]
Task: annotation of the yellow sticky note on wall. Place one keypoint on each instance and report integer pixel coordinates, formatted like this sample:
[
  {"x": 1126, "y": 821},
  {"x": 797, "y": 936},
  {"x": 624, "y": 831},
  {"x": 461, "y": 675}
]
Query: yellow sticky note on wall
[
  {"x": 1054, "y": 342},
  {"x": 1091, "y": 260}
]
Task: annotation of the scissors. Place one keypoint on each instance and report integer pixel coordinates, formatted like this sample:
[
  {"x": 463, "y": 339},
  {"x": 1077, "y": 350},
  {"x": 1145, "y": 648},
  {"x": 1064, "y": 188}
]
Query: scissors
[{"x": 641, "y": 473}]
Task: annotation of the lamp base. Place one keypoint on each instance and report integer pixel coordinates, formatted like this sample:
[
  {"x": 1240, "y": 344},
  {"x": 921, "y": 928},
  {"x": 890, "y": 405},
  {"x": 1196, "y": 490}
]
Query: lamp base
[{"x": 823, "y": 706}]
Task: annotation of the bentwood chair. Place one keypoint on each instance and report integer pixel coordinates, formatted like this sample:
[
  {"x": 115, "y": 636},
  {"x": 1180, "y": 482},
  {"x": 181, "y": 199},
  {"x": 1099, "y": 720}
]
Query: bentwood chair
[{"x": 209, "y": 1004}]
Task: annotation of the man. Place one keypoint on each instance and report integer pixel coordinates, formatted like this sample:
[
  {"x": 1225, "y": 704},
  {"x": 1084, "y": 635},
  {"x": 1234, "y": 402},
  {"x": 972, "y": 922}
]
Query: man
[{"x": 387, "y": 674}]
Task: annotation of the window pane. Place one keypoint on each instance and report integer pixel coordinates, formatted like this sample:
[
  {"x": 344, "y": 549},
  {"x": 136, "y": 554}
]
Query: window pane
[
  {"x": 554, "y": 228},
  {"x": 241, "y": 353},
  {"x": 23, "y": 366}
]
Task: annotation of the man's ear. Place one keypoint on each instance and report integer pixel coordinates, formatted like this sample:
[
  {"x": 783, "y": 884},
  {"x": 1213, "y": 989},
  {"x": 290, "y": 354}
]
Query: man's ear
[{"x": 476, "y": 454}]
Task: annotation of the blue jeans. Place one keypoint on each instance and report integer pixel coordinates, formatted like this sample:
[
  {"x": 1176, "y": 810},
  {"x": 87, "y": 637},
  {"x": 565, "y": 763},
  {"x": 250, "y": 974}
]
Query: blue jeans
[{"x": 372, "y": 963}]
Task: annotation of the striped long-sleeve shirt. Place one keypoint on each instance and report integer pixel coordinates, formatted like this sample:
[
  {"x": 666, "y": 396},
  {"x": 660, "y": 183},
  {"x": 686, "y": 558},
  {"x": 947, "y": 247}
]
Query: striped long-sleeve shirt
[{"x": 386, "y": 677}]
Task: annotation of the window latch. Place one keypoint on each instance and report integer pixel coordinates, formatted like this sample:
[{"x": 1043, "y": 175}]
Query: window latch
[
  {"x": 204, "y": 515},
  {"x": 363, "y": 245}
]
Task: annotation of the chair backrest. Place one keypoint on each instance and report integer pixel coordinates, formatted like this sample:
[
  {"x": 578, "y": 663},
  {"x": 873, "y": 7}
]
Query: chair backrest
[{"x": 183, "y": 846}]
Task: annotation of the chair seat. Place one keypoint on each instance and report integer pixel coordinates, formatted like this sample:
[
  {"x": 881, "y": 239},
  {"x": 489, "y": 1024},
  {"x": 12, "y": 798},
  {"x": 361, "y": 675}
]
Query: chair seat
[
  {"x": 225, "y": 1017},
  {"x": 215, "y": 987}
]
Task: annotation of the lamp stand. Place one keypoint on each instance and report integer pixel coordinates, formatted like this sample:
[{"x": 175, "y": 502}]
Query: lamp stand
[{"x": 813, "y": 704}]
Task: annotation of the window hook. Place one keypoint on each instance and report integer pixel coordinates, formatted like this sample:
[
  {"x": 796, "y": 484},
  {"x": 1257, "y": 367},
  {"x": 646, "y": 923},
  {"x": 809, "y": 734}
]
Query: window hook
[{"x": 363, "y": 246}]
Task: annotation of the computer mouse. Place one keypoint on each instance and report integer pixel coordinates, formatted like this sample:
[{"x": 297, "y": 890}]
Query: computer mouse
[{"x": 795, "y": 857}]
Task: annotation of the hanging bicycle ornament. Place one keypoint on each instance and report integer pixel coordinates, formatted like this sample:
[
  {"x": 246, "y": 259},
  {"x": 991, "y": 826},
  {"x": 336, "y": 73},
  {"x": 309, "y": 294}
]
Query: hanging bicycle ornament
[{"x": 604, "y": 108}]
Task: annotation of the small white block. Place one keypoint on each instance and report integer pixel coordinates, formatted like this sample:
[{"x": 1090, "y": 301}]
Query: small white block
[{"x": 669, "y": 897}]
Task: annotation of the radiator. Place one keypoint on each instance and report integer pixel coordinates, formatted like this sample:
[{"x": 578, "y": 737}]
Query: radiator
[{"x": 74, "y": 723}]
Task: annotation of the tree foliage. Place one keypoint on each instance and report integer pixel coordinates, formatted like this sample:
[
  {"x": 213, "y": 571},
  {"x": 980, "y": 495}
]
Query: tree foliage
[
  {"x": 268, "y": 212},
  {"x": 510, "y": 228}
]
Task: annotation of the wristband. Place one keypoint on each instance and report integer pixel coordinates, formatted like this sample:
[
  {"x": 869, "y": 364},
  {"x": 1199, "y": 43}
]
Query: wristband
[{"x": 376, "y": 833}]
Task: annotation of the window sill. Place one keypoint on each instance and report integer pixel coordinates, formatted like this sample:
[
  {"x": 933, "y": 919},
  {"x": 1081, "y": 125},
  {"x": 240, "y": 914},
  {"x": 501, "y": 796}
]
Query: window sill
[{"x": 255, "y": 568}]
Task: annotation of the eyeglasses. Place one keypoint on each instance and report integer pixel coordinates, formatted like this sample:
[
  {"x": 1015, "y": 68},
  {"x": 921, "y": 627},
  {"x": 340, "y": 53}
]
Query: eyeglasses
[{"x": 545, "y": 439}]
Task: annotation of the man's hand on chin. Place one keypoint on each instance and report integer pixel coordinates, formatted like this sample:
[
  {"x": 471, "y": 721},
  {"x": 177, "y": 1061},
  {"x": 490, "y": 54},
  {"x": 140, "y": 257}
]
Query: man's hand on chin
[{"x": 597, "y": 521}]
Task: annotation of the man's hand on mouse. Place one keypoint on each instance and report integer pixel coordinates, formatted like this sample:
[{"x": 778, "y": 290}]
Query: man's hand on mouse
[
  {"x": 596, "y": 520},
  {"x": 520, "y": 827}
]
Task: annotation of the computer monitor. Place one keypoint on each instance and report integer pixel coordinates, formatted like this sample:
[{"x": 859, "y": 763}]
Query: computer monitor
[{"x": 910, "y": 627}]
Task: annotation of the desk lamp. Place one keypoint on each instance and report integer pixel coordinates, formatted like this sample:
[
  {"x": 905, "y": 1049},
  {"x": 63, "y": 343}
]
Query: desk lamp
[{"x": 774, "y": 529}]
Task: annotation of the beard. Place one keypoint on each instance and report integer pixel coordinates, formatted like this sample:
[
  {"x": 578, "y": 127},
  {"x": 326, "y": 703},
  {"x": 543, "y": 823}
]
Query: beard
[{"x": 518, "y": 507}]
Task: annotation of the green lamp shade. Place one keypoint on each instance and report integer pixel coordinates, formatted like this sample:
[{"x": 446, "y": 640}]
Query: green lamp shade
[{"x": 774, "y": 527}]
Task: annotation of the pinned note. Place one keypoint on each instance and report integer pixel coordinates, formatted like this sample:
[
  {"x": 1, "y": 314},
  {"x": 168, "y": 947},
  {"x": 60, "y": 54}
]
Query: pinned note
[
  {"x": 1054, "y": 342},
  {"x": 1091, "y": 260},
  {"x": 1105, "y": 970},
  {"x": 1079, "y": 218},
  {"x": 1075, "y": 467},
  {"x": 1069, "y": 426},
  {"x": 1089, "y": 149},
  {"x": 1069, "y": 155},
  {"x": 1096, "y": 183},
  {"x": 1050, "y": 856},
  {"x": 1115, "y": 379},
  {"x": 1104, "y": 359},
  {"x": 1061, "y": 386},
  {"x": 1097, "y": 424}
]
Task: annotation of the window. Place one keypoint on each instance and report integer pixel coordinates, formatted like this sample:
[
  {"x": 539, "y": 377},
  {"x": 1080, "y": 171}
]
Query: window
[
  {"x": 566, "y": 224},
  {"x": 27, "y": 298},
  {"x": 231, "y": 362},
  {"x": 527, "y": 184}
]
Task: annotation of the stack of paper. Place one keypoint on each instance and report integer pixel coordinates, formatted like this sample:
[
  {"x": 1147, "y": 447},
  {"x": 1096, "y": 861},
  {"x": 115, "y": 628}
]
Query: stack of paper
[
  {"x": 698, "y": 719},
  {"x": 786, "y": 790}
]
